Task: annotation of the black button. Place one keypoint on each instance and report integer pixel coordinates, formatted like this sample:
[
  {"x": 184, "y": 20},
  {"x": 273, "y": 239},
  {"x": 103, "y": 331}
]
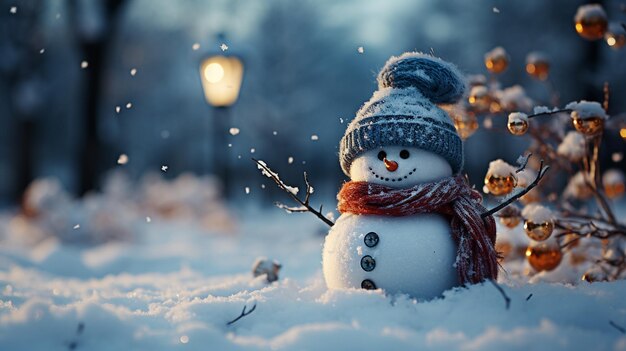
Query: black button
[
  {"x": 368, "y": 285},
  {"x": 371, "y": 239},
  {"x": 368, "y": 263}
]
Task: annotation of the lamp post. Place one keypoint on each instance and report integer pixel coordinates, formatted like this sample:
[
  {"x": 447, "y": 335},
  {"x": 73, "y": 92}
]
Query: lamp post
[{"x": 221, "y": 77}]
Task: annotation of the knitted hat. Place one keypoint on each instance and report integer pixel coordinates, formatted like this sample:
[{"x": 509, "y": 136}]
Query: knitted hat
[{"x": 405, "y": 111}]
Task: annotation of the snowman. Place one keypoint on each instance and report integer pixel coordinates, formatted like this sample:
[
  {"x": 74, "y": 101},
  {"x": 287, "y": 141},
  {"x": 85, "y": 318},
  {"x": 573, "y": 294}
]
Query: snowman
[{"x": 410, "y": 223}]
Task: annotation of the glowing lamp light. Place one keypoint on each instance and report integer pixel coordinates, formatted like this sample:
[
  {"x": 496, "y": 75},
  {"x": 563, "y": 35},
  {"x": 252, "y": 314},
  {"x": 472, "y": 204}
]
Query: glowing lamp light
[{"x": 221, "y": 79}]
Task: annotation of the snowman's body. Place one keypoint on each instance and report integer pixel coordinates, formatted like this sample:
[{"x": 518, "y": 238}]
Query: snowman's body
[{"x": 412, "y": 254}]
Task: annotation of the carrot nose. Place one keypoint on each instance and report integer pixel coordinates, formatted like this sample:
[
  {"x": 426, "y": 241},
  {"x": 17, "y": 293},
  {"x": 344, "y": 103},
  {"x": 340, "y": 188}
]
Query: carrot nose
[{"x": 390, "y": 165}]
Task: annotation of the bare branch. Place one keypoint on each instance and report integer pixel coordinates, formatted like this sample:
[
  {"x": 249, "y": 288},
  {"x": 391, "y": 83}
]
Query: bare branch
[
  {"x": 243, "y": 314},
  {"x": 304, "y": 203},
  {"x": 291, "y": 209},
  {"x": 309, "y": 189},
  {"x": 542, "y": 172},
  {"x": 547, "y": 113}
]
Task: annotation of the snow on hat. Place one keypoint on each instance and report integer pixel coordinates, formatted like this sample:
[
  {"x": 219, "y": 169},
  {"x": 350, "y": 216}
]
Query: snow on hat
[{"x": 405, "y": 111}]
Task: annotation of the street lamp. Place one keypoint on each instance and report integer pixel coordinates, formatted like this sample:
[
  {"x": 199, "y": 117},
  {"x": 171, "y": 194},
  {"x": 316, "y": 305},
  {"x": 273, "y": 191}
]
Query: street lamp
[{"x": 221, "y": 77}]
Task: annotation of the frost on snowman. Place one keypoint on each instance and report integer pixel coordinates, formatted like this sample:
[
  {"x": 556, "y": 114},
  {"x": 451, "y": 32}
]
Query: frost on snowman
[{"x": 410, "y": 221}]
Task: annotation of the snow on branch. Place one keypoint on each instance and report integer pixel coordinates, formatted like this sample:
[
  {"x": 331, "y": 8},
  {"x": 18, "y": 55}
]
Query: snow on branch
[
  {"x": 540, "y": 174},
  {"x": 293, "y": 193}
]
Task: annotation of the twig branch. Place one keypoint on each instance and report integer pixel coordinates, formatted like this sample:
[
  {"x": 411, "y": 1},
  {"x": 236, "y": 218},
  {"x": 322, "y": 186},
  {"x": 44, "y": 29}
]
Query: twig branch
[
  {"x": 306, "y": 207},
  {"x": 523, "y": 161},
  {"x": 507, "y": 299},
  {"x": 547, "y": 113},
  {"x": 243, "y": 314},
  {"x": 542, "y": 171}
]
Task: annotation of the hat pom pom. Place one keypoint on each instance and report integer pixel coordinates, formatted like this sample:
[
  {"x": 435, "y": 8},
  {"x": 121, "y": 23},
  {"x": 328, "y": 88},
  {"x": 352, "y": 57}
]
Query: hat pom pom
[{"x": 437, "y": 80}]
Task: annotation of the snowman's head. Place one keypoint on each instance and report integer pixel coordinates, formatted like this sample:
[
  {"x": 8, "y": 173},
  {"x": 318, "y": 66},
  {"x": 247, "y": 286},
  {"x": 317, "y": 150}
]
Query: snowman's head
[
  {"x": 399, "y": 166},
  {"x": 409, "y": 112}
]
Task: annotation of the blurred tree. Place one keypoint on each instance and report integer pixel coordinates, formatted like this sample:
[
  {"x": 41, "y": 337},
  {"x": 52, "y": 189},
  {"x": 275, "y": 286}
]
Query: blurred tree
[
  {"x": 94, "y": 23},
  {"x": 24, "y": 91}
]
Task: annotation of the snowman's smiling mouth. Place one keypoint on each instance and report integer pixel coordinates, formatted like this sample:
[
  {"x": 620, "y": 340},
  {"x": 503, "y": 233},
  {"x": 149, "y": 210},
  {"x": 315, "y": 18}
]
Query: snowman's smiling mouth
[{"x": 388, "y": 179}]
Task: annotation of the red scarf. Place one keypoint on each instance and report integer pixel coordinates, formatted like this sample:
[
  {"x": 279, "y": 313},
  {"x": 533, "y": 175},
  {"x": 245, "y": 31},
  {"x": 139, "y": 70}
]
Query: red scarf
[{"x": 452, "y": 197}]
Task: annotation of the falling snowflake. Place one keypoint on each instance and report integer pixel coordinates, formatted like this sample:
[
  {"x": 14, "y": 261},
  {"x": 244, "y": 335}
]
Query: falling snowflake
[
  {"x": 253, "y": 150},
  {"x": 617, "y": 156},
  {"x": 42, "y": 51},
  {"x": 77, "y": 226},
  {"x": 165, "y": 134},
  {"x": 314, "y": 137},
  {"x": 148, "y": 219},
  {"x": 247, "y": 189},
  {"x": 129, "y": 105},
  {"x": 122, "y": 160},
  {"x": 239, "y": 157},
  {"x": 230, "y": 145},
  {"x": 117, "y": 109},
  {"x": 195, "y": 46},
  {"x": 164, "y": 168},
  {"x": 224, "y": 47},
  {"x": 340, "y": 120},
  {"x": 133, "y": 72},
  {"x": 496, "y": 10},
  {"x": 290, "y": 160},
  {"x": 233, "y": 131},
  {"x": 84, "y": 64},
  {"x": 360, "y": 50},
  {"x": 262, "y": 186},
  {"x": 184, "y": 339},
  {"x": 13, "y": 9},
  {"x": 275, "y": 132}
]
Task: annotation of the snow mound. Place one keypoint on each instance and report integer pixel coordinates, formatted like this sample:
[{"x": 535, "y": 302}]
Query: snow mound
[{"x": 174, "y": 287}]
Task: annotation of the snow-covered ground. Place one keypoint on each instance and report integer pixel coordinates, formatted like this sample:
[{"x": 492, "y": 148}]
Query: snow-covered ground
[{"x": 177, "y": 283}]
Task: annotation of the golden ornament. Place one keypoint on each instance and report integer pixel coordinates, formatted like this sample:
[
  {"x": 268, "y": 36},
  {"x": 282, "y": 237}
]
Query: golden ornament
[
  {"x": 614, "y": 190},
  {"x": 510, "y": 216},
  {"x": 616, "y": 35},
  {"x": 544, "y": 256},
  {"x": 518, "y": 126},
  {"x": 613, "y": 180},
  {"x": 588, "y": 126},
  {"x": 510, "y": 222},
  {"x": 591, "y": 22},
  {"x": 497, "y": 60},
  {"x": 537, "y": 66},
  {"x": 500, "y": 184},
  {"x": 538, "y": 231},
  {"x": 465, "y": 123},
  {"x": 479, "y": 98}
]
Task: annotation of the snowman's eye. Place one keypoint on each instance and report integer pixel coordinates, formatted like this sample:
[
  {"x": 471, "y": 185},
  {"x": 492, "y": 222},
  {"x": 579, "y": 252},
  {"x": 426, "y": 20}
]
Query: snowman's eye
[
  {"x": 404, "y": 154},
  {"x": 382, "y": 155}
]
